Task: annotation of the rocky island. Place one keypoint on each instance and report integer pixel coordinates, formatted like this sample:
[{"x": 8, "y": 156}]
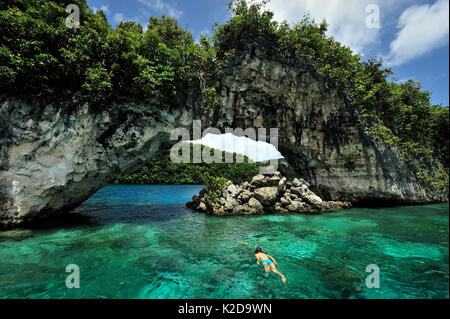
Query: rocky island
[{"x": 264, "y": 194}]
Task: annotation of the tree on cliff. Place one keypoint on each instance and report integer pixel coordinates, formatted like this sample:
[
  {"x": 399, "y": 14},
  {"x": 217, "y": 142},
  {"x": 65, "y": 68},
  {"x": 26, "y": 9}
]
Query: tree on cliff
[{"x": 43, "y": 61}]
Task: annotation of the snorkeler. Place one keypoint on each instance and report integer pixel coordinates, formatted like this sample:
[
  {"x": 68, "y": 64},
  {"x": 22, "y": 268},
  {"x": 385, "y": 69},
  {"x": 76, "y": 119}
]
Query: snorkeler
[{"x": 268, "y": 262}]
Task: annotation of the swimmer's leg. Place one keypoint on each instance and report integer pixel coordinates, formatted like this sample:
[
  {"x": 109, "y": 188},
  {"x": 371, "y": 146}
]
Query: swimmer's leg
[
  {"x": 266, "y": 267},
  {"x": 274, "y": 270}
]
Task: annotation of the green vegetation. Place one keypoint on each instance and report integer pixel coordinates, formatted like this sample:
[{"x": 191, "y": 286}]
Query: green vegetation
[
  {"x": 42, "y": 61},
  {"x": 214, "y": 186},
  {"x": 440, "y": 180},
  {"x": 351, "y": 156},
  {"x": 208, "y": 99},
  {"x": 161, "y": 170}
]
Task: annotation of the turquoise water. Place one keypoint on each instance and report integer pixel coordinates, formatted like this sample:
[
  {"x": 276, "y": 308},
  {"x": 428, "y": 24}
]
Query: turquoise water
[{"x": 141, "y": 242}]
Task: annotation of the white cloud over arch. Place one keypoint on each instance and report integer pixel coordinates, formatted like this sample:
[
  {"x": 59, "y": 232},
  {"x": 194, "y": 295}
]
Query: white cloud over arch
[
  {"x": 346, "y": 18},
  {"x": 162, "y": 7},
  {"x": 422, "y": 29}
]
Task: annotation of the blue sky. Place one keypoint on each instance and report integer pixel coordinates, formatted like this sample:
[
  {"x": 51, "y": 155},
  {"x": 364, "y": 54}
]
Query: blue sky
[{"x": 412, "y": 36}]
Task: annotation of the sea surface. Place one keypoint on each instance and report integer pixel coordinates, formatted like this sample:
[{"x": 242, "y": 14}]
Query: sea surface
[{"x": 141, "y": 242}]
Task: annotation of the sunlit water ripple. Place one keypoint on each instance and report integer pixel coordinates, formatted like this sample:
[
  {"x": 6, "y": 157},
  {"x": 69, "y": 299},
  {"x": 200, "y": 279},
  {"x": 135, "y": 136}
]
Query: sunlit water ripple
[{"x": 141, "y": 242}]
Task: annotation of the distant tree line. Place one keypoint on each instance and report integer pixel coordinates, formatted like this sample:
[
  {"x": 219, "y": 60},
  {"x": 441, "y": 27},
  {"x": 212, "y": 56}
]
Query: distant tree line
[{"x": 161, "y": 170}]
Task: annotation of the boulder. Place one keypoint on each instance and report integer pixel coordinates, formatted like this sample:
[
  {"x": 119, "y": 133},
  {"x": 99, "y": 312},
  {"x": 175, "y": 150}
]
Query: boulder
[
  {"x": 313, "y": 200},
  {"x": 310, "y": 210},
  {"x": 282, "y": 183},
  {"x": 301, "y": 190},
  {"x": 296, "y": 183},
  {"x": 306, "y": 190},
  {"x": 336, "y": 205},
  {"x": 233, "y": 190},
  {"x": 229, "y": 203},
  {"x": 209, "y": 204},
  {"x": 296, "y": 207},
  {"x": 258, "y": 180},
  {"x": 285, "y": 201},
  {"x": 254, "y": 203},
  {"x": 304, "y": 182},
  {"x": 297, "y": 190},
  {"x": 245, "y": 196},
  {"x": 266, "y": 195},
  {"x": 244, "y": 210},
  {"x": 202, "y": 207},
  {"x": 220, "y": 211},
  {"x": 273, "y": 181},
  {"x": 280, "y": 209}
]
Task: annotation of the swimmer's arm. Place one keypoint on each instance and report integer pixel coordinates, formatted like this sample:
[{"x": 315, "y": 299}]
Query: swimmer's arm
[{"x": 257, "y": 260}]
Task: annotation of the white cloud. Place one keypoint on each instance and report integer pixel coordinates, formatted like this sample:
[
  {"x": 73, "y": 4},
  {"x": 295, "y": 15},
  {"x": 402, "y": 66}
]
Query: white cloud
[
  {"x": 255, "y": 150},
  {"x": 104, "y": 8},
  {"x": 346, "y": 18},
  {"x": 422, "y": 29},
  {"x": 119, "y": 17},
  {"x": 162, "y": 7}
]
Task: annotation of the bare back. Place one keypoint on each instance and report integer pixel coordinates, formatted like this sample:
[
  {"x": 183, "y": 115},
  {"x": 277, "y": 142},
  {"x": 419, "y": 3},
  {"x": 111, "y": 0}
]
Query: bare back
[{"x": 262, "y": 256}]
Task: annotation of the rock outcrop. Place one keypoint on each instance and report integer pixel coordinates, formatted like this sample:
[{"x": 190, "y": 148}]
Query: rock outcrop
[
  {"x": 265, "y": 194},
  {"x": 56, "y": 160},
  {"x": 52, "y": 161},
  {"x": 317, "y": 124}
]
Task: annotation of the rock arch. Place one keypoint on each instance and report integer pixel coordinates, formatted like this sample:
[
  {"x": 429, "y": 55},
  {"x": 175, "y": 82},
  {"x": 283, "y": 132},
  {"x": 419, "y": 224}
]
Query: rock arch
[{"x": 51, "y": 163}]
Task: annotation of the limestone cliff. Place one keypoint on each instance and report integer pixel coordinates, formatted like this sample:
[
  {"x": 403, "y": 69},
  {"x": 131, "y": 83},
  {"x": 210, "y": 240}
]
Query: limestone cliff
[
  {"x": 52, "y": 161},
  {"x": 317, "y": 124},
  {"x": 56, "y": 160}
]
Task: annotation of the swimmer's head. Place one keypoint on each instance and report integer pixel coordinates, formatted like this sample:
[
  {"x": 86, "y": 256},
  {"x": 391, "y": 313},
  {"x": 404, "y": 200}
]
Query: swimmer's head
[{"x": 258, "y": 250}]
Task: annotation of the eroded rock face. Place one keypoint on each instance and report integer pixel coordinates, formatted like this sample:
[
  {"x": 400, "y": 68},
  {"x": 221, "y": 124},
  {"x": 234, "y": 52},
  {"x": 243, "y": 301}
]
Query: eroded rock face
[
  {"x": 317, "y": 123},
  {"x": 56, "y": 161}
]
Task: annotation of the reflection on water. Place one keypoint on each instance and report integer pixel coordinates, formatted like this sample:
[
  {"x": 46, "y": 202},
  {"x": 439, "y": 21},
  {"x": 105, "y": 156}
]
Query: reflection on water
[{"x": 141, "y": 242}]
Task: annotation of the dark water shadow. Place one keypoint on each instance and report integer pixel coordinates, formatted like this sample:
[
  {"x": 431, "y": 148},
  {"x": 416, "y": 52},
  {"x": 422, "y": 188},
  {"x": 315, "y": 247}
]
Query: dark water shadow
[
  {"x": 132, "y": 214},
  {"x": 64, "y": 221},
  {"x": 95, "y": 215}
]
